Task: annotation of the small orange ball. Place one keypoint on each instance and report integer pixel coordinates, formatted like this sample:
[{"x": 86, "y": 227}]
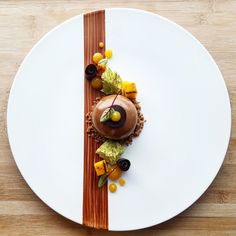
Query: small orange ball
[
  {"x": 108, "y": 53},
  {"x": 102, "y": 67},
  {"x": 114, "y": 173},
  {"x": 97, "y": 83},
  {"x": 121, "y": 182},
  {"x": 101, "y": 44},
  {"x": 116, "y": 116},
  {"x": 112, "y": 187},
  {"x": 97, "y": 57}
]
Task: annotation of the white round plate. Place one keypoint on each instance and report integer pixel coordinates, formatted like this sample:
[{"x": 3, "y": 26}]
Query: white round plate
[{"x": 183, "y": 97}]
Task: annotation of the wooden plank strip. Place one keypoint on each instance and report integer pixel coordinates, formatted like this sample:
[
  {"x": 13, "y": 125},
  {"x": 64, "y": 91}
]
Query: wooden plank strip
[
  {"x": 211, "y": 210},
  {"x": 95, "y": 203},
  {"x": 20, "y": 208},
  {"x": 58, "y": 225}
]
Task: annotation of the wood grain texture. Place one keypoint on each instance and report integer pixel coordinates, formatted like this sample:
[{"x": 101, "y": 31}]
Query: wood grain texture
[{"x": 22, "y": 23}]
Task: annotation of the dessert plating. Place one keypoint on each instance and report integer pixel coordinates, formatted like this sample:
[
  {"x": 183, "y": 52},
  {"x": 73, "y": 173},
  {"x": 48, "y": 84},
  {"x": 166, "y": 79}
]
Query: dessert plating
[{"x": 114, "y": 120}]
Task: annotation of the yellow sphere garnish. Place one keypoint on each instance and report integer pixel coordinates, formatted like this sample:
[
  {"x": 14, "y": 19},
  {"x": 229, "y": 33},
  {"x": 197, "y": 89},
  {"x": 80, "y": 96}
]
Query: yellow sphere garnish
[
  {"x": 112, "y": 188},
  {"x": 114, "y": 173},
  {"x": 101, "y": 44},
  {"x": 102, "y": 67},
  {"x": 96, "y": 83},
  {"x": 121, "y": 182},
  {"x": 108, "y": 53},
  {"x": 116, "y": 116},
  {"x": 97, "y": 57}
]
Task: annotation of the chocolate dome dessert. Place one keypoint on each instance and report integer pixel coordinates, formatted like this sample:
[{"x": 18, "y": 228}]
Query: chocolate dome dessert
[{"x": 110, "y": 129}]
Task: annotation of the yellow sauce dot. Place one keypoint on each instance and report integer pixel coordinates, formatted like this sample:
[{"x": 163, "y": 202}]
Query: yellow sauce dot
[
  {"x": 97, "y": 57},
  {"x": 121, "y": 182},
  {"x": 112, "y": 188},
  {"x": 101, "y": 44},
  {"x": 108, "y": 53}
]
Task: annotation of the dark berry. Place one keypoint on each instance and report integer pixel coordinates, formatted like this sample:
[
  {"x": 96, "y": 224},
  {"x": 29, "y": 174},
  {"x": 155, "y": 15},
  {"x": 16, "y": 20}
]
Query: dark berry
[
  {"x": 124, "y": 164},
  {"x": 90, "y": 71}
]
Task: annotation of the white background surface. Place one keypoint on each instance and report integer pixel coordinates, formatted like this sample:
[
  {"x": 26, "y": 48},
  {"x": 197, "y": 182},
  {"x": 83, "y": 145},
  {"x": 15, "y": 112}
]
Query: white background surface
[{"x": 183, "y": 97}]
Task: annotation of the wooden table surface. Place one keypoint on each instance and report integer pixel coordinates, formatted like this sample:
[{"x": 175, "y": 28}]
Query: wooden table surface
[{"x": 22, "y": 23}]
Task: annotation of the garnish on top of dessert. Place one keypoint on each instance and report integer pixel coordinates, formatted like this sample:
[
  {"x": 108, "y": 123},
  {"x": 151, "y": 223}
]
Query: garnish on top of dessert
[{"x": 114, "y": 120}]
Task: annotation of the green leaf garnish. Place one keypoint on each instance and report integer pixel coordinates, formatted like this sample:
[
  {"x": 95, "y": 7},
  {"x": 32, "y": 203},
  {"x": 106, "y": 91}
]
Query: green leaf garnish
[
  {"x": 106, "y": 115},
  {"x": 103, "y": 61},
  {"x": 112, "y": 82},
  {"x": 102, "y": 180}
]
